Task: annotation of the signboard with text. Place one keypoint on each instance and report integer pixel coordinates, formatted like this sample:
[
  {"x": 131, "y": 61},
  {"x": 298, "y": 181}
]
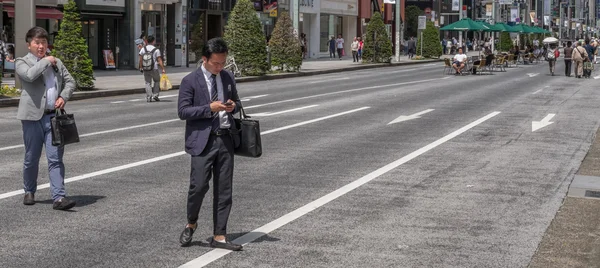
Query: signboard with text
[
  {"x": 422, "y": 22},
  {"x": 110, "y": 3}
]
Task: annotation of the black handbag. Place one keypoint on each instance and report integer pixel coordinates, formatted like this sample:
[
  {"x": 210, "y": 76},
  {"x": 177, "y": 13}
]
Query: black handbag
[
  {"x": 64, "y": 129},
  {"x": 247, "y": 139}
]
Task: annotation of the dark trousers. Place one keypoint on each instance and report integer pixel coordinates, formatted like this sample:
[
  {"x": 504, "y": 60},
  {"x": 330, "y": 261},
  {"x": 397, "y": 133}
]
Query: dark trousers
[
  {"x": 568, "y": 64},
  {"x": 339, "y": 50},
  {"x": 332, "y": 53},
  {"x": 354, "y": 55},
  {"x": 215, "y": 161}
]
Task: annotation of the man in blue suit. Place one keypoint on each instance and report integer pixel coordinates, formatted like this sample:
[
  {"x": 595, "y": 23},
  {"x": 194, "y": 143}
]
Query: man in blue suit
[{"x": 205, "y": 102}]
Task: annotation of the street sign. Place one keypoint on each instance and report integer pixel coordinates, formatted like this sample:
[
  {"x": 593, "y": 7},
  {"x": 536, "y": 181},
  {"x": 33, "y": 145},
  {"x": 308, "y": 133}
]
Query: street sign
[{"x": 422, "y": 22}]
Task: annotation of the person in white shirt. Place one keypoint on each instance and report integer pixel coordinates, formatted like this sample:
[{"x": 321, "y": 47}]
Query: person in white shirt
[
  {"x": 459, "y": 60},
  {"x": 150, "y": 69},
  {"x": 339, "y": 44}
]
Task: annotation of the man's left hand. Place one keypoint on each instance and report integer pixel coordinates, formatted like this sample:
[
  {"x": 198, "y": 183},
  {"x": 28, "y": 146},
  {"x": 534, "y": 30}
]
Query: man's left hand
[
  {"x": 230, "y": 108},
  {"x": 60, "y": 103}
]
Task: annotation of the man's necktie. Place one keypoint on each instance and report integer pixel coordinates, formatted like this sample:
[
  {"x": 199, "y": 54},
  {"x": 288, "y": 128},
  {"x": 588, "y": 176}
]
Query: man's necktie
[{"x": 214, "y": 94}]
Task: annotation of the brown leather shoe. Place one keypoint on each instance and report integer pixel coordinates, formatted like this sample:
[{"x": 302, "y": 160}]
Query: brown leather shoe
[
  {"x": 227, "y": 245},
  {"x": 29, "y": 199}
]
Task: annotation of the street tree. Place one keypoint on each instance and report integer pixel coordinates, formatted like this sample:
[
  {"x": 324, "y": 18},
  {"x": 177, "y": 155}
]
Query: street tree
[
  {"x": 506, "y": 43},
  {"x": 412, "y": 14},
  {"x": 432, "y": 47},
  {"x": 70, "y": 47},
  {"x": 197, "y": 38},
  {"x": 377, "y": 45},
  {"x": 246, "y": 40},
  {"x": 284, "y": 45}
]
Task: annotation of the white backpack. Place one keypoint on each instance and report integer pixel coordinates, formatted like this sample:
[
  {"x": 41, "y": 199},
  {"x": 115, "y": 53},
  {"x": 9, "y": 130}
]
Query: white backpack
[{"x": 148, "y": 59}]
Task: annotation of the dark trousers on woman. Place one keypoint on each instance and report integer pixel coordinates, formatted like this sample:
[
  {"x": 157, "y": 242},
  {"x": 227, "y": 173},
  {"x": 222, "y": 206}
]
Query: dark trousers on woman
[
  {"x": 568, "y": 64},
  {"x": 332, "y": 53}
]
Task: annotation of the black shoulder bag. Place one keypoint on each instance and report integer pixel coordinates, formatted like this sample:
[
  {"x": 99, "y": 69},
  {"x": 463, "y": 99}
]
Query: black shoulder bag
[
  {"x": 247, "y": 139},
  {"x": 64, "y": 130}
]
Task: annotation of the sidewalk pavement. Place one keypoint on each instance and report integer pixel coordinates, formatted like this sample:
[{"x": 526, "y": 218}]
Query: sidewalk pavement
[{"x": 123, "y": 82}]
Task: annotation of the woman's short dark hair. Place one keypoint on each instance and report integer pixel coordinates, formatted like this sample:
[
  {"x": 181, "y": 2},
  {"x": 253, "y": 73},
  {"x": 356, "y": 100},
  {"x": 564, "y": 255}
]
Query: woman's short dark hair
[
  {"x": 214, "y": 46},
  {"x": 36, "y": 32}
]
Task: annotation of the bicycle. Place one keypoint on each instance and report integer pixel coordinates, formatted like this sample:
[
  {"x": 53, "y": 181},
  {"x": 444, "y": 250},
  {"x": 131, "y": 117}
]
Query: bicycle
[{"x": 230, "y": 65}]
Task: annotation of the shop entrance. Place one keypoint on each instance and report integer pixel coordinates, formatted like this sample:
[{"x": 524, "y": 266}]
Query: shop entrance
[
  {"x": 152, "y": 25},
  {"x": 90, "y": 33},
  {"x": 215, "y": 26}
]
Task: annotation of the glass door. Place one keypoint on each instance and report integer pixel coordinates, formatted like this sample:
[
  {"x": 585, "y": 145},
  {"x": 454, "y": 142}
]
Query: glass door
[{"x": 90, "y": 33}]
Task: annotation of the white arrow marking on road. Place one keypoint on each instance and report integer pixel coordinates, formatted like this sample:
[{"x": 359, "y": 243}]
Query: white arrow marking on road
[
  {"x": 282, "y": 112},
  {"x": 403, "y": 118},
  {"x": 532, "y": 75},
  {"x": 535, "y": 125}
]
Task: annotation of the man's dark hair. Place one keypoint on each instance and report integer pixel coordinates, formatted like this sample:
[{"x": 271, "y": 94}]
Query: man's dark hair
[
  {"x": 36, "y": 32},
  {"x": 214, "y": 46},
  {"x": 569, "y": 44},
  {"x": 150, "y": 39},
  {"x": 587, "y": 41}
]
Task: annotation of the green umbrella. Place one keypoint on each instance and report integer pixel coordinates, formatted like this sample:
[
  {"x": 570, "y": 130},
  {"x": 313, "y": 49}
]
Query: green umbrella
[
  {"x": 490, "y": 27},
  {"x": 505, "y": 27},
  {"x": 522, "y": 28},
  {"x": 465, "y": 24}
]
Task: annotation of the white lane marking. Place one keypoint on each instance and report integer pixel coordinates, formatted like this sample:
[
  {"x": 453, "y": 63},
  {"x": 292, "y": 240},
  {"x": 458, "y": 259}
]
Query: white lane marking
[
  {"x": 540, "y": 90},
  {"x": 343, "y": 91},
  {"x": 168, "y": 96},
  {"x": 314, "y": 120},
  {"x": 137, "y": 100},
  {"x": 164, "y": 157},
  {"x": 115, "y": 102},
  {"x": 329, "y": 80},
  {"x": 282, "y": 112},
  {"x": 535, "y": 125},
  {"x": 430, "y": 64},
  {"x": 105, "y": 131},
  {"x": 216, "y": 254},
  {"x": 403, "y": 118},
  {"x": 254, "y": 97},
  {"x": 532, "y": 74},
  {"x": 402, "y": 71},
  {"x": 597, "y": 77}
]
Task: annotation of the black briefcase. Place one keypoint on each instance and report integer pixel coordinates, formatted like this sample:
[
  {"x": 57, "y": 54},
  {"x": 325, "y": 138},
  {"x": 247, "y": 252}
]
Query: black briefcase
[
  {"x": 64, "y": 129},
  {"x": 247, "y": 139}
]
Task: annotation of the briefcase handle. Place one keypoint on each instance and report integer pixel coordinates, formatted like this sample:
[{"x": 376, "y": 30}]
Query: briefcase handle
[{"x": 60, "y": 112}]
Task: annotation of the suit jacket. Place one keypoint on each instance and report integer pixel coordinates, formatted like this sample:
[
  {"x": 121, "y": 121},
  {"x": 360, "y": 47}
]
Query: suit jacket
[
  {"x": 412, "y": 44},
  {"x": 194, "y": 107},
  {"x": 30, "y": 71}
]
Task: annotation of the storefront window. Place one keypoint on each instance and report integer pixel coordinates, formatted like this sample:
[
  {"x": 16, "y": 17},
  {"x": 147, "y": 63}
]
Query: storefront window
[
  {"x": 324, "y": 33},
  {"x": 331, "y": 25}
]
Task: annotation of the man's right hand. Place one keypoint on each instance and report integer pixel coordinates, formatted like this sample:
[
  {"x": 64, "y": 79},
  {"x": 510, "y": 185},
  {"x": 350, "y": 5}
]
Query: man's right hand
[
  {"x": 52, "y": 59},
  {"x": 217, "y": 106}
]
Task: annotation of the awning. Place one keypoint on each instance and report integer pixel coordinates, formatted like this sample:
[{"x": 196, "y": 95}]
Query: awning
[{"x": 40, "y": 13}]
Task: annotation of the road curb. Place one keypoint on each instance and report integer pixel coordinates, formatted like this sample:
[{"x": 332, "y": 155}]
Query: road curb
[{"x": 81, "y": 95}]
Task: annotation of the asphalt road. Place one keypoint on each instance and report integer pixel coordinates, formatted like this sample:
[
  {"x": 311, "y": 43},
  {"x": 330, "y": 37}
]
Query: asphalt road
[{"x": 460, "y": 181}]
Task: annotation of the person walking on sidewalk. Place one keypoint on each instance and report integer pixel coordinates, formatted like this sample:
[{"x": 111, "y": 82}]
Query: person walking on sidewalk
[
  {"x": 331, "y": 45},
  {"x": 150, "y": 60},
  {"x": 412, "y": 47},
  {"x": 205, "y": 102},
  {"x": 568, "y": 51},
  {"x": 361, "y": 44},
  {"x": 552, "y": 55},
  {"x": 354, "y": 46},
  {"x": 579, "y": 56},
  {"x": 340, "y": 45},
  {"x": 47, "y": 85}
]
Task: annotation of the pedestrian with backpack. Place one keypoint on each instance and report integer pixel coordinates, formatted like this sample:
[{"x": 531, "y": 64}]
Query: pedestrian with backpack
[{"x": 150, "y": 60}]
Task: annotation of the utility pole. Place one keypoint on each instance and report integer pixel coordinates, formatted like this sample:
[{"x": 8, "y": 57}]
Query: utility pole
[
  {"x": 460, "y": 17},
  {"x": 398, "y": 30}
]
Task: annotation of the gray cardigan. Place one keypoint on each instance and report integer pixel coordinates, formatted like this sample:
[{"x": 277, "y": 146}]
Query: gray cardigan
[{"x": 33, "y": 95}]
